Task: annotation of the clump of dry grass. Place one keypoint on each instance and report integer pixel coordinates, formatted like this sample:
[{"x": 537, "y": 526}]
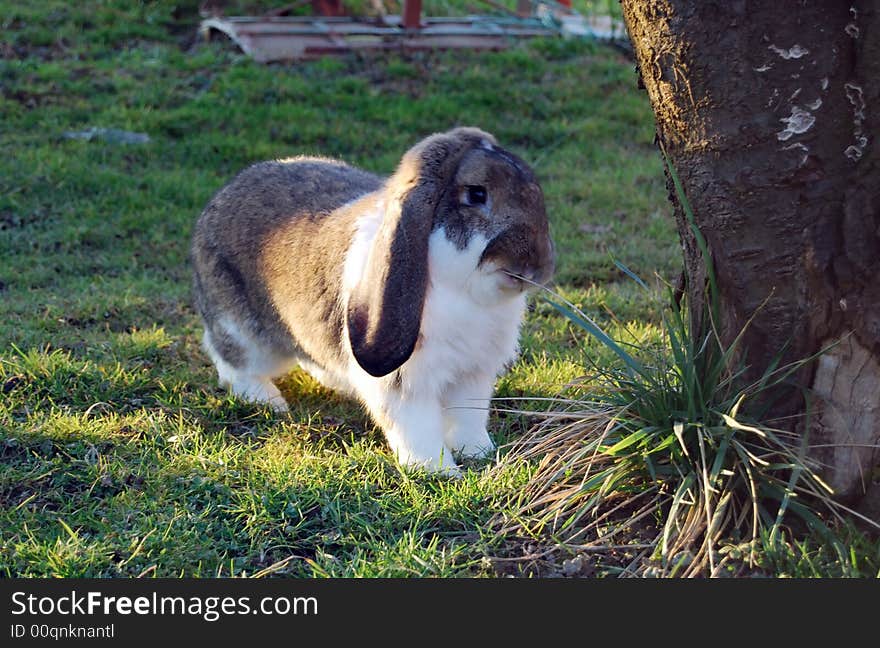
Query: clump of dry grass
[{"x": 571, "y": 500}]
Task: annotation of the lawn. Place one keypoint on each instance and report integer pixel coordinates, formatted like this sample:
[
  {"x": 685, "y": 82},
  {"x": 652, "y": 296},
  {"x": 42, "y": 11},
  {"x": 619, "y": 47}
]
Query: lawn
[{"x": 120, "y": 455}]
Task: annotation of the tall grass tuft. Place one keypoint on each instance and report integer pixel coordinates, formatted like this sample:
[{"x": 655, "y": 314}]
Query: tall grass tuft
[{"x": 660, "y": 452}]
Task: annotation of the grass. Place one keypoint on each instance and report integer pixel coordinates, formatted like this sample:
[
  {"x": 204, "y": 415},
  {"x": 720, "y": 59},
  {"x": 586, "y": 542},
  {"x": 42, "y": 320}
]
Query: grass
[{"x": 120, "y": 455}]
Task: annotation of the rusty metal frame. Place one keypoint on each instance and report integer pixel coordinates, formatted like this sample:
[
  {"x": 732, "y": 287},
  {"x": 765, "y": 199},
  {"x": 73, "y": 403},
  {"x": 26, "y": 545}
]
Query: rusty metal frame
[
  {"x": 412, "y": 14},
  {"x": 274, "y": 38},
  {"x": 280, "y": 39}
]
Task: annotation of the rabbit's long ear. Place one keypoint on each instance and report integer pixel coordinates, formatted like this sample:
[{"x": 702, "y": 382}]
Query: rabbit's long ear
[{"x": 384, "y": 311}]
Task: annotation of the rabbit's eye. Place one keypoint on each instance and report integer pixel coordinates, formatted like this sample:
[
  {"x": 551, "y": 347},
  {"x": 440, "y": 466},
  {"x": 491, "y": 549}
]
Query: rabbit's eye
[{"x": 476, "y": 195}]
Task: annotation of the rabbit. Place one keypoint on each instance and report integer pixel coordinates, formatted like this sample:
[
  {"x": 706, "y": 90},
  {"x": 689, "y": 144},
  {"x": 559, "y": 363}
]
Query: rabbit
[{"x": 405, "y": 292}]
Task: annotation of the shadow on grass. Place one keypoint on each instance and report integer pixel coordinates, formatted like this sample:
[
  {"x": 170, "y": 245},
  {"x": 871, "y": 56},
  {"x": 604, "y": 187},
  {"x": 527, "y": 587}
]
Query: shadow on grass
[
  {"x": 94, "y": 504},
  {"x": 111, "y": 471}
]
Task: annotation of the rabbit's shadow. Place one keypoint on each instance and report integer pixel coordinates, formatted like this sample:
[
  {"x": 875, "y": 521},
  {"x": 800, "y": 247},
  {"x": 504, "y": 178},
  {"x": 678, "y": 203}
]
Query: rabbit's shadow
[{"x": 325, "y": 413}]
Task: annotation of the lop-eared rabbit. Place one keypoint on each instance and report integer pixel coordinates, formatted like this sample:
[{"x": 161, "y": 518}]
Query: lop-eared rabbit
[{"x": 405, "y": 292}]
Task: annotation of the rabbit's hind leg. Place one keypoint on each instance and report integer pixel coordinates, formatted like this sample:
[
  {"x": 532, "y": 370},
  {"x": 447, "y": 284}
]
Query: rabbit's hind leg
[{"x": 245, "y": 369}]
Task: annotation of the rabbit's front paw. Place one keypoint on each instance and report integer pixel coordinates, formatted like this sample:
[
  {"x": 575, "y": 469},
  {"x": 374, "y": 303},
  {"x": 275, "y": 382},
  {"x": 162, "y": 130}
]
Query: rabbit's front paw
[
  {"x": 414, "y": 430},
  {"x": 437, "y": 460},
  {"x": 465, "y": 417},
  {"x": 472, "y": 443},
  {"x": 443, "y": 465}
]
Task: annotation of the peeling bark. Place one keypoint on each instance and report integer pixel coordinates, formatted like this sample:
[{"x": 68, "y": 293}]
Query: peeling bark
[
  {"x": 847, "y": 382},
  {"x": 769, "y": 112}
]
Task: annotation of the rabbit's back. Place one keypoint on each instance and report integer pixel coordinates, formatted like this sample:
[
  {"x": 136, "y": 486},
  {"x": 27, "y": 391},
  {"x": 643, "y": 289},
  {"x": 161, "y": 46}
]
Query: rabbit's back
[{"x": 268, "y": 194}]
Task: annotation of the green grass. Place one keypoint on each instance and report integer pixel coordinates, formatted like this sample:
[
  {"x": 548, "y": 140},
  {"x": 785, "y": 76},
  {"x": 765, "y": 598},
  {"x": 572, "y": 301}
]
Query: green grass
[{"x": 120, "y": 455}]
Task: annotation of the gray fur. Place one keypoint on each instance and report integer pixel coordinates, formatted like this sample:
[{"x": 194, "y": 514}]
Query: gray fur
[
  {"x": 265, "y": 239},
  {"x": 276, "y": 237}
]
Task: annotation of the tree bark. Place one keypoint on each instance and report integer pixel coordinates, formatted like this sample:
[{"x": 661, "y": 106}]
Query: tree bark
[{"x": 769, "y": 112}]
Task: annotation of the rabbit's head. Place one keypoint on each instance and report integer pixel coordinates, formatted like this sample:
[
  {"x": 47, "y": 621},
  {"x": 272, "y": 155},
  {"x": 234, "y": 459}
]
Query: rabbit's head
[{"x": 459, "y": 210}]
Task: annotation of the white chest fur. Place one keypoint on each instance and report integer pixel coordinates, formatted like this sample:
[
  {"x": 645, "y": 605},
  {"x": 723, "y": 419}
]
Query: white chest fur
[{"x": 469, "y": 327}]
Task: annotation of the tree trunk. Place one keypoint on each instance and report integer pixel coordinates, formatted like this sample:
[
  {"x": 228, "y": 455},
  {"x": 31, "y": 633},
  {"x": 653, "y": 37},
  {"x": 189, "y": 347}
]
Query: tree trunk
[{"x": 768, "y": 112}]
